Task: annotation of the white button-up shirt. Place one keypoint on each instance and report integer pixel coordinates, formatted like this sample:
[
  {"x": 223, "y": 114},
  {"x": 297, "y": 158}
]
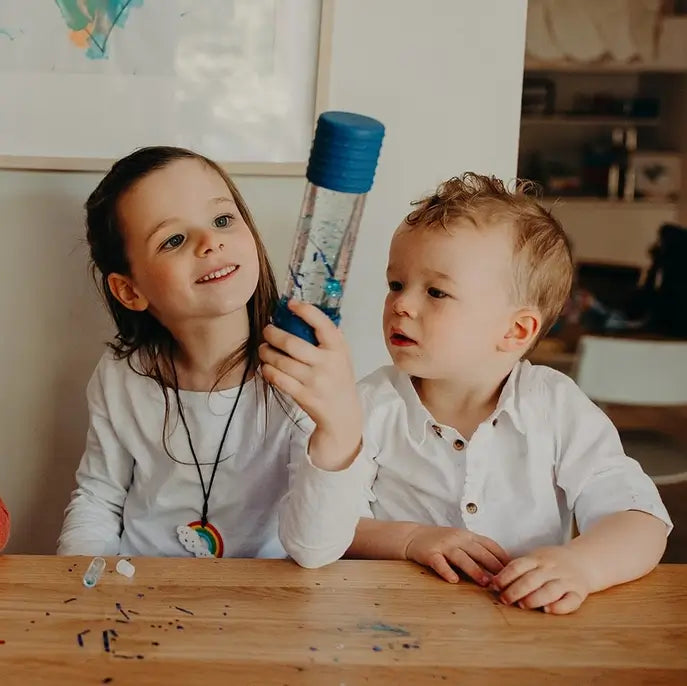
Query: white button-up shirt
[{"x": 546, "y": 455}]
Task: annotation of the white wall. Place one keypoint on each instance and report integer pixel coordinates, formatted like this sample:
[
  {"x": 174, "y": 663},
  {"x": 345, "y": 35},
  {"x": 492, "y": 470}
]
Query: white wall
[{"x": 445, "y": 78}]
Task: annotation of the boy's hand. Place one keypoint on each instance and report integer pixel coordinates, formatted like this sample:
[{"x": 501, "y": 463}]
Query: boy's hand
[
  {"x": 321, "y": 380},
  {"x": 550, "y": 578},
  {"x": 442, "y": 547}
]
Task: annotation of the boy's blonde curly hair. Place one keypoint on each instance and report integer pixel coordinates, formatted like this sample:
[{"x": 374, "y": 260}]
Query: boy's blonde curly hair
[{"x": 542, "y": 260}]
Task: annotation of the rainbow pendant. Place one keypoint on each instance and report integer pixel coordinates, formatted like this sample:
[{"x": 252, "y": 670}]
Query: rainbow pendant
[{"x": 202, "y": 541}]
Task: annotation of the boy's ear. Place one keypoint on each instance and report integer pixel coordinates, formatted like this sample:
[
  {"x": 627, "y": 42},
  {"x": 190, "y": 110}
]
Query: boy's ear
[
  {"x": 525, "y": 327},
  {"x": 124, "y": 289}
]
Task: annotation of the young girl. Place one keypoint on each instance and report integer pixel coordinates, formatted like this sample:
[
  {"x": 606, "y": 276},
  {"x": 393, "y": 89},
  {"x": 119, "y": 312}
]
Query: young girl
[{"x": 191, "y": 450}]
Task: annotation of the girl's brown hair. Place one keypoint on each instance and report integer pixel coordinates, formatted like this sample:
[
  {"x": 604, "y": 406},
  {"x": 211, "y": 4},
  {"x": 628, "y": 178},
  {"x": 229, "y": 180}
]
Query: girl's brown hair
[{"x": 146, "y": 344}]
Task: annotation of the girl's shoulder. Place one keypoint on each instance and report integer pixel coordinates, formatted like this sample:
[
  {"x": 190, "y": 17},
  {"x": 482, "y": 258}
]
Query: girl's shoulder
[{"x": 117, "y": 376}]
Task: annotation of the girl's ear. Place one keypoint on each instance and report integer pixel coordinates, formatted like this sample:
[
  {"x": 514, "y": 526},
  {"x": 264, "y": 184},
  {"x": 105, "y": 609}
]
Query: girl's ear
[{"x": 124, "y": 289}]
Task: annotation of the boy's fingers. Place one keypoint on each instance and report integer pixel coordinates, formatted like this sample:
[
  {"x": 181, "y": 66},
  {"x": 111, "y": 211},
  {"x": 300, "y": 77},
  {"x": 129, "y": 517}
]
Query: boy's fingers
[
  {"x": 327, "y": 333},
  {"x": 568, "y": 603},
  {"x": 550, "y": 592},
  {"x": 484, "y": 557},
  {"x": 459, "y": 558},
  {"x": 439, "y": 564},
  {"x": 526, "y": 584},
  {"x": 512, "y": 571},
  {"x": 495, "y": 549}
]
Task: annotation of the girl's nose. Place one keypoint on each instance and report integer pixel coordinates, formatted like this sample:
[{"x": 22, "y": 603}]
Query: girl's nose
[{"x": 209, "y": 242}]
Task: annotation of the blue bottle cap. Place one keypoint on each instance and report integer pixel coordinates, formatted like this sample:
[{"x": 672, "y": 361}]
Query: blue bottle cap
[{"x": 345, "y": 151}]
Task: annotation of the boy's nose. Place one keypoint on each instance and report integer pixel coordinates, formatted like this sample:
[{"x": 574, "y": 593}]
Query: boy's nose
[{"x": 404, "y": 306}]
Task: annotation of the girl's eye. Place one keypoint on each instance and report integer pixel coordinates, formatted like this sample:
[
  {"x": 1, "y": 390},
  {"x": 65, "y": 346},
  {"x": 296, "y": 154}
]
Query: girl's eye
[
  {"x": 395, "y": 285},
  {"x": 173, "y": 242},
  {"x": 223, "y": 221},
  {"x": 436, "y": 293}
]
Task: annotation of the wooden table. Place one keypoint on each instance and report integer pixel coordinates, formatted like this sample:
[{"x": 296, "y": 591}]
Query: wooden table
[{"x": 187, "y": 621}]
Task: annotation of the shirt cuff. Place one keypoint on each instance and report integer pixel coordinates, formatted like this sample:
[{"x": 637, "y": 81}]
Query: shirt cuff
[
  {"x": 591, "y": 507},
  {"x": 320, "y": 513}
]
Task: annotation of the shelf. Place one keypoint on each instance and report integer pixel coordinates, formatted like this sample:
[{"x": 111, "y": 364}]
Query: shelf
[
  {"x": 603, "y": 67},
  {"x": 586, "y": 120},
  {"x": 609, "y": 203}
]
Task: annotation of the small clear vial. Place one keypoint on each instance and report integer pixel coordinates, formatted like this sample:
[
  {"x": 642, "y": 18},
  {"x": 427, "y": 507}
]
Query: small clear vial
[
  {"x": 341, "y": 169},
  {"x": 94, "y": 572},
  {"x": 125, "y": 568}
]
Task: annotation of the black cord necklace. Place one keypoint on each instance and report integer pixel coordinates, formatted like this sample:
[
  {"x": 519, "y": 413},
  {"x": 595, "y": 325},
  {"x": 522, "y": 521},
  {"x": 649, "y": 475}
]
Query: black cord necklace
[{"x": 206, "y": 531}]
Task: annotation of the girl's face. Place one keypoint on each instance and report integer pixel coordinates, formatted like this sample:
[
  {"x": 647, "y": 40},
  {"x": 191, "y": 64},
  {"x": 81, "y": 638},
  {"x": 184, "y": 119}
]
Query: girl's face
[{"x": 192, "y": 255}]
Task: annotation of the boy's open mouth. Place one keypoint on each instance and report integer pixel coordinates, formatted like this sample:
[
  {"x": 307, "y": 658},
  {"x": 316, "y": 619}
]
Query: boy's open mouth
[{"x": 400, "y": 339}]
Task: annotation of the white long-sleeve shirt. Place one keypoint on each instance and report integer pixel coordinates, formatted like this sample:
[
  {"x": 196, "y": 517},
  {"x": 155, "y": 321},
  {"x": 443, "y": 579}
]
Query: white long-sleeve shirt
[
  {"x": 545, "y": 455},
  {"x": 267, "y": 498}
]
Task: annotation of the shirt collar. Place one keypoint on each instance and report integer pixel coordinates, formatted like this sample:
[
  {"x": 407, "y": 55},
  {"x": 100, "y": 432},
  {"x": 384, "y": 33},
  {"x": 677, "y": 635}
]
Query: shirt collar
[
  {"x": 508, "y": 400},
  {"x": 420, "y": 419}
]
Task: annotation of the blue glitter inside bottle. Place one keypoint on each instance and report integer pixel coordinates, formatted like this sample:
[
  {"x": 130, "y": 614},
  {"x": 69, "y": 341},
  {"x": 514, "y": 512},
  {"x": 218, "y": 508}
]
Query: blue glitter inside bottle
[{"x": 341, "y": 169}]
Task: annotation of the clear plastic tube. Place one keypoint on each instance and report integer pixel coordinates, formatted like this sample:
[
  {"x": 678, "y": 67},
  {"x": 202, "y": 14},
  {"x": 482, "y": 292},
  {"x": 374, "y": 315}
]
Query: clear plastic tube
[
  {"x": 94, "y": 572},
  {"x": 341, "y": 170},
  {"x": 322, "y": 251}
]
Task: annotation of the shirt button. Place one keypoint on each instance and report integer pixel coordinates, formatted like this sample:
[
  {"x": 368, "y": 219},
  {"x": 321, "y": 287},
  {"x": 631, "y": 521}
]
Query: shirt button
[
  {"x": 458, "y": 444},
  {"x": 495, "y": 422},
  {"x": 471, "y": 508},
  {"x": 437, "y": 430}
]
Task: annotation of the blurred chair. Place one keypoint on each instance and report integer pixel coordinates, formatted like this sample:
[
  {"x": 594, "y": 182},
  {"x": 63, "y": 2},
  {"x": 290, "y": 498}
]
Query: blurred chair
[{"x": 640, "y": 372}]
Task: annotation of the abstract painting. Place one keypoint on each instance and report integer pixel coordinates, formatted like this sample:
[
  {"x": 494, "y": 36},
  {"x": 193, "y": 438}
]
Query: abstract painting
[
  {"x": 91, "y": 22},
  {"x": 83, "y": 82}
]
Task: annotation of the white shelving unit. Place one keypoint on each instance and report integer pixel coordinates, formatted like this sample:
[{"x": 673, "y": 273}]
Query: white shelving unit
[
  {"x": 587, "y": 120},
  {"x": 605, "y": 67},
  {"x": 603, "y": 229}
]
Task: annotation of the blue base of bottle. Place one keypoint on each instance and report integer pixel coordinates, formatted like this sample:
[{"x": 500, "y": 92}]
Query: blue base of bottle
[{"x": 288, "y": 321}]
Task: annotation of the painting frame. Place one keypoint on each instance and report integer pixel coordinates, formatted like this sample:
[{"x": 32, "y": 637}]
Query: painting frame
[{"x": 238, "y": 168}]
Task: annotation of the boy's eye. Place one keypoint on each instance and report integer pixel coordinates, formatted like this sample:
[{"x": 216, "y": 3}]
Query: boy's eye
[
  {"x": 395, "y": 285},
  {"x": 436, "y": 293},
  {"x": 223, "y": 221},
  {"x": 173, "y": 242}
]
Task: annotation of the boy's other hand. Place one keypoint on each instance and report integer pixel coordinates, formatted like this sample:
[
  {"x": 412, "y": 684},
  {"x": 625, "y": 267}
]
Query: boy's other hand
[
  {"x": 445, "y": 548},
  {"x": 549, "y": 578}
]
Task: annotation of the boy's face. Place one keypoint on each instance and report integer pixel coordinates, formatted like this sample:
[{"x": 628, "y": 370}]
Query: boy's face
[{"x": 449, "y": 304}]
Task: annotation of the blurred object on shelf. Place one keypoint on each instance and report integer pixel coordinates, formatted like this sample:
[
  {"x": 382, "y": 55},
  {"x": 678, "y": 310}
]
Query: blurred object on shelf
[
  {"x": 538, "y": 96},
  {"x": 555, "y": 174},
  {"x": 658, "y": 175},
  {"x": 618, "y": 163},
  {"x": 595, "y": 104},
  {"x": 597, "y": 159}
]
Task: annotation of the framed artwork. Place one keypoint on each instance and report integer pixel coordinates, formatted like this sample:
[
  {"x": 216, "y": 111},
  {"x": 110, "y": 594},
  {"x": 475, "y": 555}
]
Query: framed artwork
[
  {"x": 657, "y": 175},
  {"x": 84, "y": 82}
]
